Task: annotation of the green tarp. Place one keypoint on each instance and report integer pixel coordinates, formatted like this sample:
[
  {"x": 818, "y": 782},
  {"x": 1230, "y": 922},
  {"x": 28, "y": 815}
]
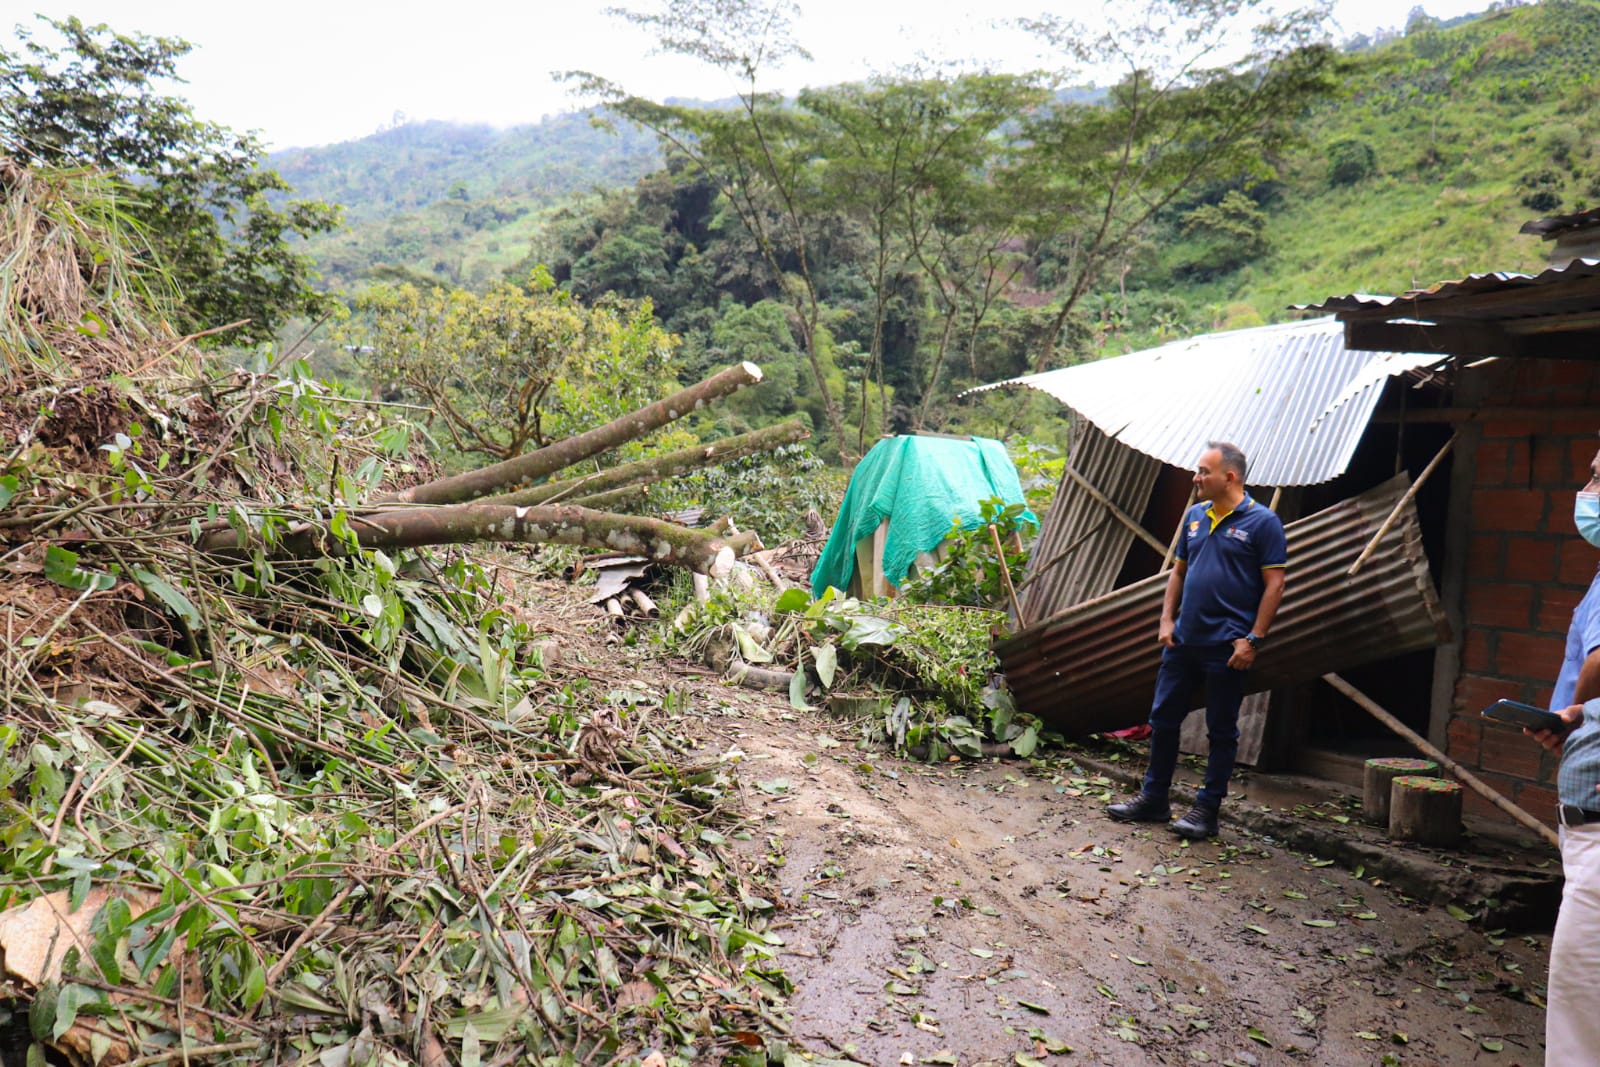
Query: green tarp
[{"x": 920, "y": 484}]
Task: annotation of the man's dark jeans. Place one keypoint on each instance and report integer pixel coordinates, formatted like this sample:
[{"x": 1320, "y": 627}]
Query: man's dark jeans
[{"x": 1184, "y": 668}]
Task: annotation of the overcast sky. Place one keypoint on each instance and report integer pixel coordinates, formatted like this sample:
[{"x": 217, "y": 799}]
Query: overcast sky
[{"x": 306, "y": 72}]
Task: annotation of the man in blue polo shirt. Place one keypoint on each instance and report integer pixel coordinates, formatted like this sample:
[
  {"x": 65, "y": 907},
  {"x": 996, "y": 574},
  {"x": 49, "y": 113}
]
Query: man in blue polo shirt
[{"x": 1221, "y": 596}]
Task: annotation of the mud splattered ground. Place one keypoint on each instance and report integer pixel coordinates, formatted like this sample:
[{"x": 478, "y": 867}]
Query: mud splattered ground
[{"x": 987, "y": 913}]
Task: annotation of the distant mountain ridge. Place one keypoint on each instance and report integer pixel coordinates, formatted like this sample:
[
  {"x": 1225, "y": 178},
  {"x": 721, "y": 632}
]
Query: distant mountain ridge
[{"x": 415, "y": 164}]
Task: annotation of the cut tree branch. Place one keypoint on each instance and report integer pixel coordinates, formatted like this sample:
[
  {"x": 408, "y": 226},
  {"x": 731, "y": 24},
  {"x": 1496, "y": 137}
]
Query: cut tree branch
[
  {"x": 513, "y": 474},
  {"x": 659, "y": 468}
]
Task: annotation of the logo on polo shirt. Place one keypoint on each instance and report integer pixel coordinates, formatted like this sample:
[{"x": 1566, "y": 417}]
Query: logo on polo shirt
[
  {"x": 1194, "y": 527},
  {"x": 1238, "y": 533}
]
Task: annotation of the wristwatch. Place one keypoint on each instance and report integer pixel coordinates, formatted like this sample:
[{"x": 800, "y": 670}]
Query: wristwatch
[{"x": 1256, "y": 641}]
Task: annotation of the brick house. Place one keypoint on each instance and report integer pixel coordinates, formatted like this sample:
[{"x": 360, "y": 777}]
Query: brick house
[{"x": 1525, "y": 407}]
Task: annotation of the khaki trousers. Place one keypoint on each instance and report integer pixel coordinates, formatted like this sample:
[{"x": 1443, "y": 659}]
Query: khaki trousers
[{"x": 1572, "y": 1021}]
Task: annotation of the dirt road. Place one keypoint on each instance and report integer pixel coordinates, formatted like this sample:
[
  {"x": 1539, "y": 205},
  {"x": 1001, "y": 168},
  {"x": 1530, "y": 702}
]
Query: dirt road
[{"x": 988, "y": 913}]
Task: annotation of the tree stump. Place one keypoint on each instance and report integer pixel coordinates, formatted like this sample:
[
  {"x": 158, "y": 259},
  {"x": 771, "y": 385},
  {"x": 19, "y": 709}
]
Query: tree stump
[
  {"x": 1425, "y": 810},
  {"x": 1375, "y": 783}
]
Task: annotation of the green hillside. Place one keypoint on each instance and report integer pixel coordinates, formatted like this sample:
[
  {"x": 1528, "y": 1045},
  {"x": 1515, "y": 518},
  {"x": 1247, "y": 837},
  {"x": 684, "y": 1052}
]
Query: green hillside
[
  {"x": 1472, "y": 128},
  {"x": 1450, "y": 138}
]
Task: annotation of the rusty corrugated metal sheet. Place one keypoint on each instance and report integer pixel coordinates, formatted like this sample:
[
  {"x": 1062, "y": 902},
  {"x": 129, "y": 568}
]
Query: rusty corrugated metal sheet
[
  {"x": 1092, "y": 667},
  {"x": 1472, "y": 284},
  {"x": 1271, "y": 390},
  {"x": 1081, "y": 547}
]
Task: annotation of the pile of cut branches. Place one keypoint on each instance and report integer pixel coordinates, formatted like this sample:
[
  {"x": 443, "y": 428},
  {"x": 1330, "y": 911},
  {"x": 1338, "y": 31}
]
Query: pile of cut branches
[{"x": 282, "y": 784}]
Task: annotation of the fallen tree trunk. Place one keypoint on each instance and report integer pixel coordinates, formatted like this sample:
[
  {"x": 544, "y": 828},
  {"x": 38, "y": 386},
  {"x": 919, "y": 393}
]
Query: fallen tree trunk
[
  {"x": 613, "y": 500},
  {"x": 663, "y": 542},
  {"x": 659, "y": 468},
  {"x": 514, "y": 474}
]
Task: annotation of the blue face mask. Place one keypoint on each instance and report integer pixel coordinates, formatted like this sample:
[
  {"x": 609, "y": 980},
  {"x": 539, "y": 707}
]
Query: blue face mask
[{"x": 1586, "y": 515}]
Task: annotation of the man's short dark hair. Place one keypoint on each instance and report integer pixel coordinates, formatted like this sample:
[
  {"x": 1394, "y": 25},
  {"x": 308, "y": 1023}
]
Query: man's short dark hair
[{"x": 1232, "y": 457}]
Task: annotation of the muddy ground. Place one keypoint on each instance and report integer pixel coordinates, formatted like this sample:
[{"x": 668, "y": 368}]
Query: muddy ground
[{"x": 972, "y": 913}]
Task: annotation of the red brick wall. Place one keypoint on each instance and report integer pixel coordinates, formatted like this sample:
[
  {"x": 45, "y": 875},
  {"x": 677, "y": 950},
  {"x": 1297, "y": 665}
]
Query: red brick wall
[{"x": 1526, "y": 569}]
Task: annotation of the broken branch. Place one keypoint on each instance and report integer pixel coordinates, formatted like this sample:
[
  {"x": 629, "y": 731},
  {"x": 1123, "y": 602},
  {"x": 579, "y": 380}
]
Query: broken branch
[
  {"x": 512, "y": 474},
  {"x": 659, "y": 468}
]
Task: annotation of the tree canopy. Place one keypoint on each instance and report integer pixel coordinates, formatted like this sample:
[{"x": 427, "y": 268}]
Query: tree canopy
[{"x": 198, "y": 190}]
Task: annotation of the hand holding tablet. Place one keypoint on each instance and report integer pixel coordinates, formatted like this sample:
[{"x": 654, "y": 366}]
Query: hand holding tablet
[{"x": 1516, "y": 713}]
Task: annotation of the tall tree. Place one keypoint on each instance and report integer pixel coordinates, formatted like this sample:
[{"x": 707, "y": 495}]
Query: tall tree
[
  {"x": 1181, "y": 114},
  {"x": 198, "y": 189},
  {"x": 890, "y": 144},
  {"x": 759, "y": 154}
]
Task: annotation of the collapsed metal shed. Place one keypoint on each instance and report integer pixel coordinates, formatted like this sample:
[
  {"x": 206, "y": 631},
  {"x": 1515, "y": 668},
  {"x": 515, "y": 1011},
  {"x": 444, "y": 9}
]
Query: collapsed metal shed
[
  {"x": 1292, "y": 396},
  {"x": 1089, "y": 667},
  {"x": 1299, "y": 403}
]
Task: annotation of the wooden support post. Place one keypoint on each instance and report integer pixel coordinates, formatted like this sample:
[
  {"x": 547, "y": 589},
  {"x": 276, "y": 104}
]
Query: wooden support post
[
  {"x": 1172, "y": 547},
  {"x": 1377, "y": 777},
  {"x": 1005, "y": 576},
  {"x": 1467, "y": 778},
  {"x": 1372, "y": 545},
  {"x": 1111, "y": 506},
  {"x": 1425, "y": 809}
]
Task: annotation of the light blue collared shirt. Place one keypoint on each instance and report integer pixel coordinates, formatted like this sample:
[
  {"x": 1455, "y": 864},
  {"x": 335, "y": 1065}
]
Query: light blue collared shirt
[
  {"x": 1580, "y": 761},
  {"x": 1583, "y": 637}
]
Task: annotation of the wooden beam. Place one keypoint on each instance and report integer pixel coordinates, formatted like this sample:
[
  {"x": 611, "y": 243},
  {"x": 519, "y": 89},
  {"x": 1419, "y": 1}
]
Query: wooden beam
[
  {"x": 1487, "y": 414},
  {"x": 1581, "y": 344},
  {"x": 1111, "y": 506},
  {"x": 1465, "y": 776},
  {"x": 1395, "y": 514},
  {"x": 1446, "y": 339}
]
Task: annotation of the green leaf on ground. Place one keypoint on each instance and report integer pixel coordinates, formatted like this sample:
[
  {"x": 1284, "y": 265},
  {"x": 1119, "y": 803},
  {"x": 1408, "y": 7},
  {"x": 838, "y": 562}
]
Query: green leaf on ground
[{"x": 61, "y": 567}]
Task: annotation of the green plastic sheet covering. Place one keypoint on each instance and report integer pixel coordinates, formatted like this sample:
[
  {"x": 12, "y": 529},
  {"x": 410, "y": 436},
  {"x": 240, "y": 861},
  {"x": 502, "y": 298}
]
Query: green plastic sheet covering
[{"x": 920, "y": 484}]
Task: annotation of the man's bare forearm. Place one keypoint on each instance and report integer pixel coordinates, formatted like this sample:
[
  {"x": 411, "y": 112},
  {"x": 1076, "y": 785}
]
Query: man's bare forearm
[
  {"x": 1174, "y": 594},
  {"x": 1271, "y": 597}
]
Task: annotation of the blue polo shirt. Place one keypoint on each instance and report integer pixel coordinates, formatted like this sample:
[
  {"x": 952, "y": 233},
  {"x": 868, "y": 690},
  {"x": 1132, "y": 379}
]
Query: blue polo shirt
[{"x": 1222, "y": 586}]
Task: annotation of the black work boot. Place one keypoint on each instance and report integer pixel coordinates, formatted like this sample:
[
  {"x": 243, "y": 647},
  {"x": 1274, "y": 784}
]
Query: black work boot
[
  {"x": 1142, "y": 808},
  {"x": 1199, "y": 824}
]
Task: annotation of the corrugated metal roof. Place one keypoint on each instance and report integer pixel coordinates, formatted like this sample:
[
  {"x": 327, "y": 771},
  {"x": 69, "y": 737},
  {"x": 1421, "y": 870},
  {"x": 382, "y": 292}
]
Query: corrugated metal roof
[
  {"x": 1081, "y": 547},
  {"x": 1472, "y": 284},
  {"x": 1291, "y": 396}
]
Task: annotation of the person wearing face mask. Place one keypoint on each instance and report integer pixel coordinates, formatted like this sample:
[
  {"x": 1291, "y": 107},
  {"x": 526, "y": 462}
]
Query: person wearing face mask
[
  {"x": 1222, "y": 593},
  {"x": 1572, "y": 1023}
]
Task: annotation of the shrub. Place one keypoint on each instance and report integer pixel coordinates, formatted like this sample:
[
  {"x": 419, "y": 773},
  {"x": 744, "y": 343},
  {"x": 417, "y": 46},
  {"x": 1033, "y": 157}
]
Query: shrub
[
  {"x": 1541, "y": 190},
  {"x": 1559, "y": 142},
  {"x": 1350, "y": 161}
]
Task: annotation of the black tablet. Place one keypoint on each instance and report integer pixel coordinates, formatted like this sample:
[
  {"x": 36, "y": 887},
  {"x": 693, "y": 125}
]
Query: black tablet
[{"x": 1519, "y": 714}]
